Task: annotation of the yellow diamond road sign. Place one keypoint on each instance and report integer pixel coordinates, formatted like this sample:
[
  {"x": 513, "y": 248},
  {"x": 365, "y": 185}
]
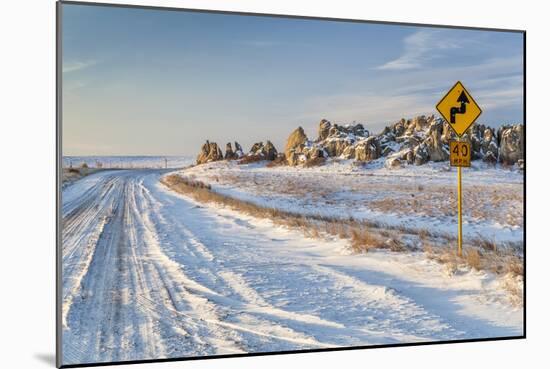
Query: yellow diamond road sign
[{"x": 459, "y": 109}]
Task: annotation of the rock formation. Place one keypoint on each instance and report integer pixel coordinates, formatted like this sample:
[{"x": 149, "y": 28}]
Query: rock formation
[
  {"x": 209, "y": 152},
  {"x": 511, "y": 144},
  {"x": 294, "y": 145},
  {"x": 229, "y": 153},
  {"x": 408, "y": 141},
  {"x": 434, "y": 144},
  {"x": 239, "y": 153},
  {"x": 324, "y": 127},
  {"x": 266, "y": 152},
  {"x": 367, "y": 150}
]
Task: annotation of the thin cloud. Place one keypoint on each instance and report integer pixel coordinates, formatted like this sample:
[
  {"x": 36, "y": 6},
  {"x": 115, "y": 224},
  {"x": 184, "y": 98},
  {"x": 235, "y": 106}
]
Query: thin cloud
[
  {"x": 495, "y": 84},
  {"x": 73, "y": 66},
  {"x": 419, "y": 48}
]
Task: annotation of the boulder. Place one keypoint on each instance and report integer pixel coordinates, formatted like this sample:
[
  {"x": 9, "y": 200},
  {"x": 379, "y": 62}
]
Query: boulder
[
  {"x": 295, "y": 144},
  {"x": 350, "y": 131},
  {"x": 399, "y": 127},
  {"x": 421, "y": 154},
  {"x": 335, "y": 131},
  {"x": 239, "y": 153},
  {"x": 292, "y": 158},
  {"x": 434, "y": 143},
  {"x": 448, "y": 134},
  {"x": 417, "y": 124},
  {"x": 266, "y": 151},
  {"x": 269, "y": 151},
  {"x": 209, "y": 152},
  {"x": 475, "y": 133},
  {"x": 349, "y": 152},
  {"x": 313, "y": 152},
  {"x": 336, "y": 146},
  {"x": 511, "y": 139},
  {"x": 359, "y": 130},
  {"x": 488, "y": 147},
  {"x": 324, "y": 128},
  {"x": 409, "y": 142},
  {"x": 256, "y": 149},
  {"x": 367, "y": 150},
  {"x": 229, "y": 153},
  {"x": 386, "y": 141}
]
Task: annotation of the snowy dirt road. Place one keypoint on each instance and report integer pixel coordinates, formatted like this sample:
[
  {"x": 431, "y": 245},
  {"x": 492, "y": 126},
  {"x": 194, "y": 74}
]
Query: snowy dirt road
[{"x": 149, "y": 274}]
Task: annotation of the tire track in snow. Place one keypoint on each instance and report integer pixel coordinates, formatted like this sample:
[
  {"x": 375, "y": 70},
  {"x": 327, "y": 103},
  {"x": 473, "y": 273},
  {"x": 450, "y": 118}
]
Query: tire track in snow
[
  {"x": 174, "y": 283},
  {"x": 101, "y": 324},
  {"x": 149, "y": 274},
  {"x": 269, "y": 325}
]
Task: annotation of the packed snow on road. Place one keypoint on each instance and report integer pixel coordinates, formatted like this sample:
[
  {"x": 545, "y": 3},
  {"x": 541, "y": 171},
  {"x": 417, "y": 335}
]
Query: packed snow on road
[{"x": 149, "y": 273}]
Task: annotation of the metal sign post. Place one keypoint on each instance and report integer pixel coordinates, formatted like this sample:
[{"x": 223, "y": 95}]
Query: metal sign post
[
  {"x": 460, "y": 111},
  {"x": 459, "y": 198},
  {"x": 459, "y": 156}
]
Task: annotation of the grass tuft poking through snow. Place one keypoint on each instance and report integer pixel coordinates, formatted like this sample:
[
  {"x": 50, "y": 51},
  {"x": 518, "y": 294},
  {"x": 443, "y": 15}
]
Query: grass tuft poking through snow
[
  {"x": 480, "y": 254},
  {"x": 501, "y": 263}
]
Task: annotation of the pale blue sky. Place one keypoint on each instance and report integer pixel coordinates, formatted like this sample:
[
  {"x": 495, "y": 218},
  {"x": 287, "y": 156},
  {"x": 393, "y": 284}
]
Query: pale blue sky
[{"x": 153, "y": 82}]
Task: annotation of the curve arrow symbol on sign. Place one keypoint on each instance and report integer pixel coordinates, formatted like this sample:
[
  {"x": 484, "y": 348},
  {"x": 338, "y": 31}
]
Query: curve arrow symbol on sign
[{"x": 463, "y": 100}]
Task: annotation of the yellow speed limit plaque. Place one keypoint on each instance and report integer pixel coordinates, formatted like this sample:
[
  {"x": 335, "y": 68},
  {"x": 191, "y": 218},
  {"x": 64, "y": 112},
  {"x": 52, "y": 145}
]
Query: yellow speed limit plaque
[{"x": 460, "y": 154}]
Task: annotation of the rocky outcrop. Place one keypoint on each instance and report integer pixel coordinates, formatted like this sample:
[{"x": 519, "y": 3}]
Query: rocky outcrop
[
  {"x": 229, "y": 153},
  {"x": 239, "y": 153},
  {"x": 263, "y": 151},
  {"x": 294, "y": 145},
  {"x": 349, "y": 131},
  {"x": 488, "y": 147},
  {"x": 292, "y": 158},
  {"x": 209, "y": 152},
  {"x": 421, "y": 154},
  {"x": 269, "y": 151},
  {"x": 419, "y": 145},
  {"x": 324, "y": 128},
  {"x": 511, "y": 144},
  {"x": 367, "y": 150},
  {"x": 342, "y": 140},
  {"x": 349, "y": 152},
  {"x": 256, "y": 148},
  {"x": 406, "y": 142},
  {"x": 336, "y": 147},
  {"x": 434, "y": 144}
]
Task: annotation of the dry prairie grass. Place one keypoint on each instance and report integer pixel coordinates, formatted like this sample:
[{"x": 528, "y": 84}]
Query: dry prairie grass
[
  {"x": 473, "y": 258},
  {"x": 500, "y": 262},
  {"x": 363, "y": 240},
  {"x": 191, "y": 182},
  {"x": 424, "y": 196},
  {"x": 480, "y": 254},
  {"x": 363, "y": 236}
]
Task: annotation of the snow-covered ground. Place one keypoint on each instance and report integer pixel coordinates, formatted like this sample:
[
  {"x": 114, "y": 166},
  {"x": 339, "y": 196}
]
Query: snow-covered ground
[
  {"x": 128, "y": 162},
  {"x": 414, "y": 197},
  {"x": 148, "y": 273}
]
